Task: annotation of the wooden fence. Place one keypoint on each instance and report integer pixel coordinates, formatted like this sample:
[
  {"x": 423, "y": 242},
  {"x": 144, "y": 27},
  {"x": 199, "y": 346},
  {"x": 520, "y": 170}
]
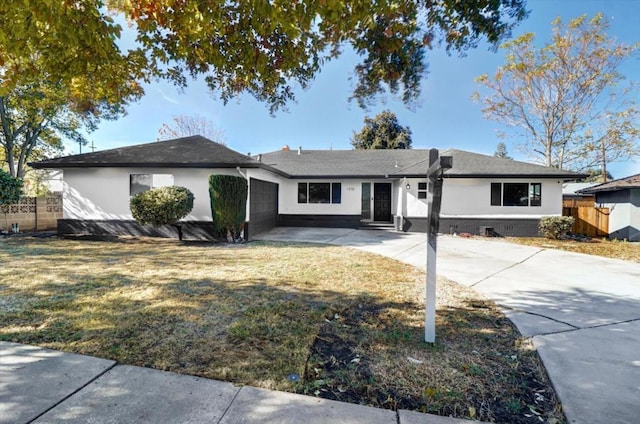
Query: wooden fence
[
  {"x": 589, "y": 220},
  {"x": 32, "y": 214}
]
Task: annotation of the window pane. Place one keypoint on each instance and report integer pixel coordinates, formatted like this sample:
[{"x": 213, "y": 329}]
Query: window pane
[
  {"x": 515, "y": 194},
  {"x": 319, "y": 193},
  {"x": 422, "y": 186},
  {"x": 422, "y": 195},
  {"x": 496, "y": 194},
  {"x": 302, "y": 192},
  {"x": 535, "y": 194},
  {"x": 336, "y": 193},
  {"x": 162, "y": 180},
  {"x": 139, "y": 183}
]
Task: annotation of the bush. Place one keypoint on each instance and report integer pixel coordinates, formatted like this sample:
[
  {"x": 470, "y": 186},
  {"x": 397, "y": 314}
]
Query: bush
[
  {"x": 228, "y": 196},
  {"x": 555, "y": 227},
  {"x": 10, "y": 189},
  {"x": 162, "y": 206}
]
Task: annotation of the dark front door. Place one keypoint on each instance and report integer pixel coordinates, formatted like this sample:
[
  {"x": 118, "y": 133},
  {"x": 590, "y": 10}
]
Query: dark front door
[{"x": 382, "y": 202}]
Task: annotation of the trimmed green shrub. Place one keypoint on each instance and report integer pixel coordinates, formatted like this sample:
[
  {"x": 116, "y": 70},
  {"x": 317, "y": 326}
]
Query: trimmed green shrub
[
  {"x": 10, "y": 192},
  {"x": 228, "y": 196},
  {"x": 162, "y": 206},
  {"x": 10, "y": 189},
  {"x": 555, "y": 227}
]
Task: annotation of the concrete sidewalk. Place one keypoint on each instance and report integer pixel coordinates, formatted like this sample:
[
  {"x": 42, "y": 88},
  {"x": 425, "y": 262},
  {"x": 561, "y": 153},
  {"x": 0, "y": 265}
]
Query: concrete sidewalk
[
  {"x": 582, "y": 311},
  {"x": 45, "y": 386}
]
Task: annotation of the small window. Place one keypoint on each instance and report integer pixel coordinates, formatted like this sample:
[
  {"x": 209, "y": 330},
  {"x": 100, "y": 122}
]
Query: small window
[
  {"x": 422, "y": 190},
  {"x": 302, "y": 192},
  {"x": 143, "y": 182},
  {"x": 496, "y": 194},
  {"x": 139, "y": 183},
  {"x": 535, "y": 194},
  {"x": 336, "y": 192}
]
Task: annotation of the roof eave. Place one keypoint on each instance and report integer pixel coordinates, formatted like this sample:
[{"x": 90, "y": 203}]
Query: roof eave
[{"x": 40, "y": 165}]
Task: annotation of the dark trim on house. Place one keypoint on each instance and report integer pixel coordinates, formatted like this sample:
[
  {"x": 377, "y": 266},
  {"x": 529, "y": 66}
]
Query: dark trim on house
[
  {"x": 192, "y": 230},
  {"x": 324, "y": 221},
  {"x": 517, "y": 227}
]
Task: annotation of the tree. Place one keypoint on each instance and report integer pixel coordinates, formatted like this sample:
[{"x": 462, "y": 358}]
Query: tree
[
  {"x": 382, "y": 132},
  {"x": 10, "y": 192},
  {"x": 162, "y": 206},
  {"x": 228, "y": 195},
  {"x": 186, "y": 125},
  {"x": 262, "y": 48},
  {"x": 501, "y": 151},
  {"x": 596, "y": 176},
  {"x": 568, "y": 97},
  {"x": 60, "y": 71}
]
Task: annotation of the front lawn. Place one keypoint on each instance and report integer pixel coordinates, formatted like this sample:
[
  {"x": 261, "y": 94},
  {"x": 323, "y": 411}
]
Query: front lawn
[{"x": 325, "y": 321}]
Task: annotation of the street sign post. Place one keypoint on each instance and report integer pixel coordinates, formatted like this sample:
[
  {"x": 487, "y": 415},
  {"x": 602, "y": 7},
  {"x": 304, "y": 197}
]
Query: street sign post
[{"x": 437, "y": 165}]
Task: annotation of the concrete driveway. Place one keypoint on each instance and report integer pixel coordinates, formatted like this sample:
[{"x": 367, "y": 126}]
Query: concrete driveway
[{"x": 583, "y": 312}]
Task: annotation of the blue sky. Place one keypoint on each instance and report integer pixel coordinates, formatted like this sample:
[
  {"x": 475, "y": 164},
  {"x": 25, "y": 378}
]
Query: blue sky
[{"x": 322, "y": 117}]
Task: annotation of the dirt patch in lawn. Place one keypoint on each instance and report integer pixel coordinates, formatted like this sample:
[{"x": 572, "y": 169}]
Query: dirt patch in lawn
[{"x": 319, "y": 320}]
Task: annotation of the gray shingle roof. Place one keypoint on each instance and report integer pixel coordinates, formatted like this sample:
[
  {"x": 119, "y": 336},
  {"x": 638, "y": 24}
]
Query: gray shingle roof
[
  {"x": 620, "y": 184},
  {"x": 468, "y": 164},
  {"x": 186, "y": 152},
  {"x": 199, "y": 152},
  {"x": 342, "y": 163},
  {"x": 401, "y": 163}
]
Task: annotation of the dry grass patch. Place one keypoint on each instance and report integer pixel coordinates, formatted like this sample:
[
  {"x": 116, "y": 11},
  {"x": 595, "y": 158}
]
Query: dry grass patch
[
  {"x": 628, "y": 251},
  {"x": 326, "y": 321}
]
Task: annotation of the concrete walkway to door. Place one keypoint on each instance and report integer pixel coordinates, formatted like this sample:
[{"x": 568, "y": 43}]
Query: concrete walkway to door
[{"x": 582, "y": 311}]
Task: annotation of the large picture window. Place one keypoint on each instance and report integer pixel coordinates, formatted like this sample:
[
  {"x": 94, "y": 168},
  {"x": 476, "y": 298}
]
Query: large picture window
[
  {"x": 516, "y": 194},
  {"x": 319, "y": 192},
  {"x": 143, "y": 182}
]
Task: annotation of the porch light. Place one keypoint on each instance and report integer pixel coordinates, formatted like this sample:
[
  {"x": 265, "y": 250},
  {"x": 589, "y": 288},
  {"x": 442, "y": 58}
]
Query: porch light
[{"x": 408, "y": 186}]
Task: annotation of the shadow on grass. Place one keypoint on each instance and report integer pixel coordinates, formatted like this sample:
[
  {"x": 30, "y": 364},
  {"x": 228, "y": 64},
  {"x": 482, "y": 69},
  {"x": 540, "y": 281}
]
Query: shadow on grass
[{"x": 357, "y": 344}]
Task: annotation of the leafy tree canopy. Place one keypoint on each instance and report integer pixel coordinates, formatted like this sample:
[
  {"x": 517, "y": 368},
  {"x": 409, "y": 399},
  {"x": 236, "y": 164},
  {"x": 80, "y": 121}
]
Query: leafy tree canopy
[
  {"x": 10, "y": 189},
  {"x": 60, "y": 71},
  {"x": 568, "y": 98},
  {"x": 261, "y": 48},
  {"x": 382, "y": 132}
]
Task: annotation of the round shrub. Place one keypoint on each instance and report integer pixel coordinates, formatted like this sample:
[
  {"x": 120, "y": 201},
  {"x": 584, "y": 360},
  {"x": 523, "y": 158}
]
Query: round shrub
[
  {"x": 555, "y": 227},
  {"x": 161, "y": 206}
]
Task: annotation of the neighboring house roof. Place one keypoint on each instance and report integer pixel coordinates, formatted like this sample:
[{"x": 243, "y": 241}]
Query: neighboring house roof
[
  {"x": 199, "y": 152},
  {"x": 186, "y": 152},
  {"x": 615, "y": 185},
  {"x": 467, "y": 164},
  {"x": 572, "y": 189}
]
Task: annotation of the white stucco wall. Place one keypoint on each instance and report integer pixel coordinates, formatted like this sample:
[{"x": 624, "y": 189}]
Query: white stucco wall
[
  {"x": 350, "y": 202},
  {"x": 471, "y": 197},
  {"x": 620, "y": 215},
  {"x": 103, "y": 193}
]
